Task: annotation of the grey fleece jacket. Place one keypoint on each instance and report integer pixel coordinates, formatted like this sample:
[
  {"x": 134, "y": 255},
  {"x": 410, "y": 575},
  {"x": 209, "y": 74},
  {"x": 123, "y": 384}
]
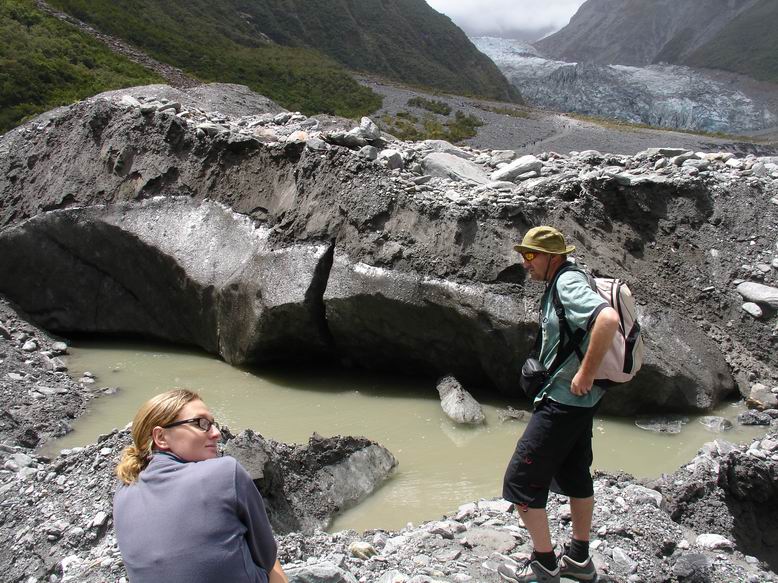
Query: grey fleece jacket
[{"x": 202, "y": 522}]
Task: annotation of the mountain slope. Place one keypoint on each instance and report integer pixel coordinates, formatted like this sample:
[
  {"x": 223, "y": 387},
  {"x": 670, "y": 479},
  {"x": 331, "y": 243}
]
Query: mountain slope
[
  {"x": 404, "y": 40},
  {"x": 736, "y": 35},
  {"x": 754, "y": 33},
  {"x": 45, "y": 63},
  {"x": 293, "y": 50},
  {"x": 214, "y": 42}
]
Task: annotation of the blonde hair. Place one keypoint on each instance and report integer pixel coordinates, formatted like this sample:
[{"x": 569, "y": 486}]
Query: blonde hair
[{"x": 159, "y": 410}]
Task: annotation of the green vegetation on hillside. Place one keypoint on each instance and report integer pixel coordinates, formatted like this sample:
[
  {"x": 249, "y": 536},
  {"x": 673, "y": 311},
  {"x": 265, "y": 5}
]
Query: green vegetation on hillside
[
  {"x": 747, "y": 45},
  {"x": 407, "y": 126},
  {"x": 218, "y": 41},
  {"x": 433, "y": 105},
  {"x": 45, "y": 63}
]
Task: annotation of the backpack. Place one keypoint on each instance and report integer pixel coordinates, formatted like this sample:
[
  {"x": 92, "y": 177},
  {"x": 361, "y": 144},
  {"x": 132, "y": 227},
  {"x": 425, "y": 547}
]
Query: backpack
[{"x": 625, "y": 355}]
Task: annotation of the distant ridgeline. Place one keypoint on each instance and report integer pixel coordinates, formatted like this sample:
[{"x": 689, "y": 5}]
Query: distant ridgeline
[{"x": 734, "y": 35}]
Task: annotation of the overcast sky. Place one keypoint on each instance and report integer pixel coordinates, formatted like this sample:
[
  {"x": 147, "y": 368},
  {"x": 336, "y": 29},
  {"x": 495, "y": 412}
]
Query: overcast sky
[{"x": 523, "y": 19}]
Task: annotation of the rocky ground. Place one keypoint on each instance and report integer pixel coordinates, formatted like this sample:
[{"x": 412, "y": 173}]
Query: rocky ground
[
  {"x": 537, "y": 130},
  {"x": 37, "y": 397},
  {"x": 713, "y": 520}
]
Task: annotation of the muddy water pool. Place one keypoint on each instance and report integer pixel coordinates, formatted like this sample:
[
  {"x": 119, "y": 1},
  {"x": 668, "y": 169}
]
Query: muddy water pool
[{"x": 441, "y": 465}]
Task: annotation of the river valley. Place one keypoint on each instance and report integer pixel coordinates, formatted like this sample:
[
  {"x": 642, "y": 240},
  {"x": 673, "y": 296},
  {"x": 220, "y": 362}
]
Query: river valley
[{"x": 442, "y": 465}]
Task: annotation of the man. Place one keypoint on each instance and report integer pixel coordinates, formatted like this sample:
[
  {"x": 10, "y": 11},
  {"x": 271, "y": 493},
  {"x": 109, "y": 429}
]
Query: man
[{"x": 555, "y": 451}]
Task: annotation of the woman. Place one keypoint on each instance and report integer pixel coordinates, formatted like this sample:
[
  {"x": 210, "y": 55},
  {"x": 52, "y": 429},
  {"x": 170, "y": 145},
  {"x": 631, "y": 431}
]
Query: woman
[{"x": 183, "y": 514}]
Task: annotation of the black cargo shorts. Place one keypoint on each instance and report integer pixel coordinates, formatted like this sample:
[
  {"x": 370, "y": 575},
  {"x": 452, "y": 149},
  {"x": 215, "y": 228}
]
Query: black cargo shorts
[{"x": 554, "y": 453}]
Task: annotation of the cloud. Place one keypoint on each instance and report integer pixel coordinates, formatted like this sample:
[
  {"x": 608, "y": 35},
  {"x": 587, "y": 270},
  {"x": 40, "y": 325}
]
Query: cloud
[{"x": 493, "y": 17}]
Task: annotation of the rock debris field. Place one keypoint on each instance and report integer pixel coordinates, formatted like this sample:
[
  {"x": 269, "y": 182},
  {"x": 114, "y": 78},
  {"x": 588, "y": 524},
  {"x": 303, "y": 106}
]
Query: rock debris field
[{"x": 693, "y": 231}]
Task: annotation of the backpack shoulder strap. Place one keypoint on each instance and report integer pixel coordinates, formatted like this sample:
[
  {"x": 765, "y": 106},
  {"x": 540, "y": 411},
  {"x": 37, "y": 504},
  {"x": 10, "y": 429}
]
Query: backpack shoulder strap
[{"x": 569, "y": 341}]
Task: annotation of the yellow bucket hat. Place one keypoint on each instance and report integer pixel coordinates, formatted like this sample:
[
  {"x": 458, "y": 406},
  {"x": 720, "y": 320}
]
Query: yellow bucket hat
[{"x": 544, "y": 240}]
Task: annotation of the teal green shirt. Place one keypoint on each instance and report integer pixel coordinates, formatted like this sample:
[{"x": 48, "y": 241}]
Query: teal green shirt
[{"x": 580, "y": 303}]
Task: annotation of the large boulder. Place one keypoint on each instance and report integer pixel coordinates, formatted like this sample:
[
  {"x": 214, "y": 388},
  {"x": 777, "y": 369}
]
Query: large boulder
[
  {"x": 457, "y": 403},
  {"x": 171, "y": 268},
  {"x": 682, "y": 370},
  {"x": 516, "y": 168},
  {"x": 304, "y": 486},
  {"x": 385, "y": 319},
  {"x": 444, "y": 165}
]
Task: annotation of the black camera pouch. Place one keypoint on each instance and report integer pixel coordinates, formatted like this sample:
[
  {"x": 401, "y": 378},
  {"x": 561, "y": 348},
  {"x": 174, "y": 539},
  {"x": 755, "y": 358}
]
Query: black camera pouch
[{"x": 533, "y": 376}]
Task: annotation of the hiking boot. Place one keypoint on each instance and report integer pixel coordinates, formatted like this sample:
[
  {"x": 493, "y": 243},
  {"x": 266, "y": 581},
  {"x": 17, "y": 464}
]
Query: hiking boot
[
  {"x": 531, "y": 572},
  {"x": 574, "y": 570}
]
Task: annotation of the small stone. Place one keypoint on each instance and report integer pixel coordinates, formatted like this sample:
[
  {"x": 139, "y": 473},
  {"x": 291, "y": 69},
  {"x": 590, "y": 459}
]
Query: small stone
[
  {"x": 759, "y": 293},
  {"x": 368, "y": 152},
  {"x": 622, "y": 559},
  {"x": 753, "y": 417},
  {"x": 30, "y": 346},
  {"x": 391, "y": 158},
  {"x": 716, "y": 424},
  {"x": 50, "y": 391},
  {"x": 393, "y": 576},
  {"x": 59, "y": 348},
  {"x": 447, "y": 528},
  {"x": 752, "y": 309},
  {"x": 714, "y": 542},
  {"x": 362, "y": 550},
  {"x": 297, "y": 137},
  {"x": 99, "y": 519},
  {"x": 369, "y": 129}
]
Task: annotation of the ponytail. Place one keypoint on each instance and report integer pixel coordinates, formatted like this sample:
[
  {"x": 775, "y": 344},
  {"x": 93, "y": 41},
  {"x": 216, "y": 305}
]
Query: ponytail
[{"x": 133, "y": 462}]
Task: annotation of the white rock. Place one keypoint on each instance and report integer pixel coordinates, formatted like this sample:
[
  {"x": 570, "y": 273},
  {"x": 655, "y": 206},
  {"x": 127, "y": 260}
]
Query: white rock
[
  {"x": 392, "y": 158},
  {"x": 499, "y": 505},
  {"x": 752, "y": 309},
  {"x": 394, "y": 544},
  {"x": 362, "y": 550},
  {"x": 714, "y": 542},
  {"x": 99, "y": 519},
  {"x": 129, "y": 101},
  {"x": 448, "y": 148},
  {"x": 759, "y": 293},
  {"x": 393, "y": 576},
  {"x": 49, "y": 391},
  {"x": 642, "y": 495},
  {"x": 298, "y": 137},
  {"x": 30, "y": 346},
  {"x": 444, "y": 165},
  {"x": 457, "y": 403},
  {"x": 369, "y": 129},
  {"x": 520, "y": 166}
]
